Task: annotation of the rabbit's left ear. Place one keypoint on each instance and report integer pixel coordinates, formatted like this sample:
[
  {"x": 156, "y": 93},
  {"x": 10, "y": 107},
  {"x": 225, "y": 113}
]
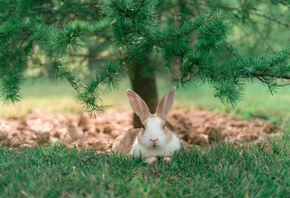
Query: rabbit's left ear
[{"x": 165, "y": 103}]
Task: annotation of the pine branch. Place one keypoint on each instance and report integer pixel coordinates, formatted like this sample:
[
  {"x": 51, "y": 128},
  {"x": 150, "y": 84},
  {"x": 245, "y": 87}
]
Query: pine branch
[
  {"x": 159, "y": 37},
  {"x": 97, "y": 57},
  {"x": 90, "y": 91},
  {"x": 285, "y": 76},
  {"x": 10, "y": 87},
  {"x": 273, "y": 19},
  {"x": 258, "y": 14},
  {"x": 60, "y": 30}
]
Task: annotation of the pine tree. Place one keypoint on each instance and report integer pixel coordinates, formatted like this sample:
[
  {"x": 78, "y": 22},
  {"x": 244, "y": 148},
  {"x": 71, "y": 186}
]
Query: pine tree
[{"x": 140, "y": 38}]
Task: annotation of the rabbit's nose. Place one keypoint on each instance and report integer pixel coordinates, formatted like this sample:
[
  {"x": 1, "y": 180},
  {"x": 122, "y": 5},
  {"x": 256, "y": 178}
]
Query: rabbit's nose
[{"x": 154, "y": 140}]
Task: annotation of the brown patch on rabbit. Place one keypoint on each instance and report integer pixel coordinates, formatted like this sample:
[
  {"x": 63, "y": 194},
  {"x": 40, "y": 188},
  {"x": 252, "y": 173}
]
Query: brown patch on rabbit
[{"x": 123, "y": 143}]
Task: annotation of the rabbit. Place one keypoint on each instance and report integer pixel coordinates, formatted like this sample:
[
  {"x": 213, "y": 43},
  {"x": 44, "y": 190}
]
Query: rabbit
[{"x": 154, "y": 139}]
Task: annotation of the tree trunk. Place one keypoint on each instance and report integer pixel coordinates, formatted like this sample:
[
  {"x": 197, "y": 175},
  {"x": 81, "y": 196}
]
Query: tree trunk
[{"x": 145, "y": 86}]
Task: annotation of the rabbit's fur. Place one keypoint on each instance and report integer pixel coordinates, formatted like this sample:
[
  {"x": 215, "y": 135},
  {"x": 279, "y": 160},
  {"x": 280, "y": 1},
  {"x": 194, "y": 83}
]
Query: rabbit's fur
[{"x": 154, "y": 139}]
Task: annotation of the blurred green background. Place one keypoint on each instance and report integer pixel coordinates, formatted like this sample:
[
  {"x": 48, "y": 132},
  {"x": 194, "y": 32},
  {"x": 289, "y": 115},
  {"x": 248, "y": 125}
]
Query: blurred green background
[
  {"x": 47, "y": 95},
  {"x": 256, "y": 27}
]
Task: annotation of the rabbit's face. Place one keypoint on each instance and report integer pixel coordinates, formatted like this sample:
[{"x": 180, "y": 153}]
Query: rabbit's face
[{"x": 154, "y": 133}]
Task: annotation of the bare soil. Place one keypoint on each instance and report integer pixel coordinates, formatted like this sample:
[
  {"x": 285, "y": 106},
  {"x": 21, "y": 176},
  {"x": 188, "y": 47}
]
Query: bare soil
[{"x": 194, "y": 127}]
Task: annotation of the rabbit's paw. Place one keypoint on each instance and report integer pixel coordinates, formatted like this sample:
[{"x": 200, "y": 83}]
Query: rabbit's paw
[{"x": 151, "y": 160}]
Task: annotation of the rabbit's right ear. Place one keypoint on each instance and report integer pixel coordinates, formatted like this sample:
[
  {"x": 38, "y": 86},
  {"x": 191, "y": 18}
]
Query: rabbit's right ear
[{"x": 138, "y": 105}]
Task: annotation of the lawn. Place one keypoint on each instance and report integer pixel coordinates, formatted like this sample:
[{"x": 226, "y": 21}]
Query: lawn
[{"x": 221, "y": 170}]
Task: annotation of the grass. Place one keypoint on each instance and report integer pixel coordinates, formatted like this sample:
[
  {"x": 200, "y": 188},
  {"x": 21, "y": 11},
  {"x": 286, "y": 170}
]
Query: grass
[
  {"x": 45, "y": 95},
  {"x": 221, "y": 170}
]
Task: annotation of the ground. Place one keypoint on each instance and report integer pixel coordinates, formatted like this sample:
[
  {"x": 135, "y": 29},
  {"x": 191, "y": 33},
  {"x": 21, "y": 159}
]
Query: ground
[{"x": 193, "y": 127}]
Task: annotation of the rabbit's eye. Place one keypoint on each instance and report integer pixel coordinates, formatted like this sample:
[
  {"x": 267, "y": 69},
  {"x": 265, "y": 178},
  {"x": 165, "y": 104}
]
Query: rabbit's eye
[
  {"x": 143, "y": 127},
  {"x": 163, "y": 127}
]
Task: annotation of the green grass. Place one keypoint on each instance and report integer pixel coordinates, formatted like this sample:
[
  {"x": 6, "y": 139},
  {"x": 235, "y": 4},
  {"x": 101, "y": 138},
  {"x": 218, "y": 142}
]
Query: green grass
[
  {"x": 257, "y": 101},
  {"x": 45, "y": 95},
  {"x": 42, "y": 95},
  {"x": 219, "y": 171}
]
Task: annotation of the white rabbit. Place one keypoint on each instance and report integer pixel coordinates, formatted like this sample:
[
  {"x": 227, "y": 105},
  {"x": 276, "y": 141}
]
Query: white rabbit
[{"x": 154, "y": 139}]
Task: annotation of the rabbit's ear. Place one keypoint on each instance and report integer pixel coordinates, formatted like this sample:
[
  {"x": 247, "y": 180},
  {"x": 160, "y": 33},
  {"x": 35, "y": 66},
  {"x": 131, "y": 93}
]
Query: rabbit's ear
[
  {"x": 165, "y": 104},
  {"x": 138, "y": 105}
]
